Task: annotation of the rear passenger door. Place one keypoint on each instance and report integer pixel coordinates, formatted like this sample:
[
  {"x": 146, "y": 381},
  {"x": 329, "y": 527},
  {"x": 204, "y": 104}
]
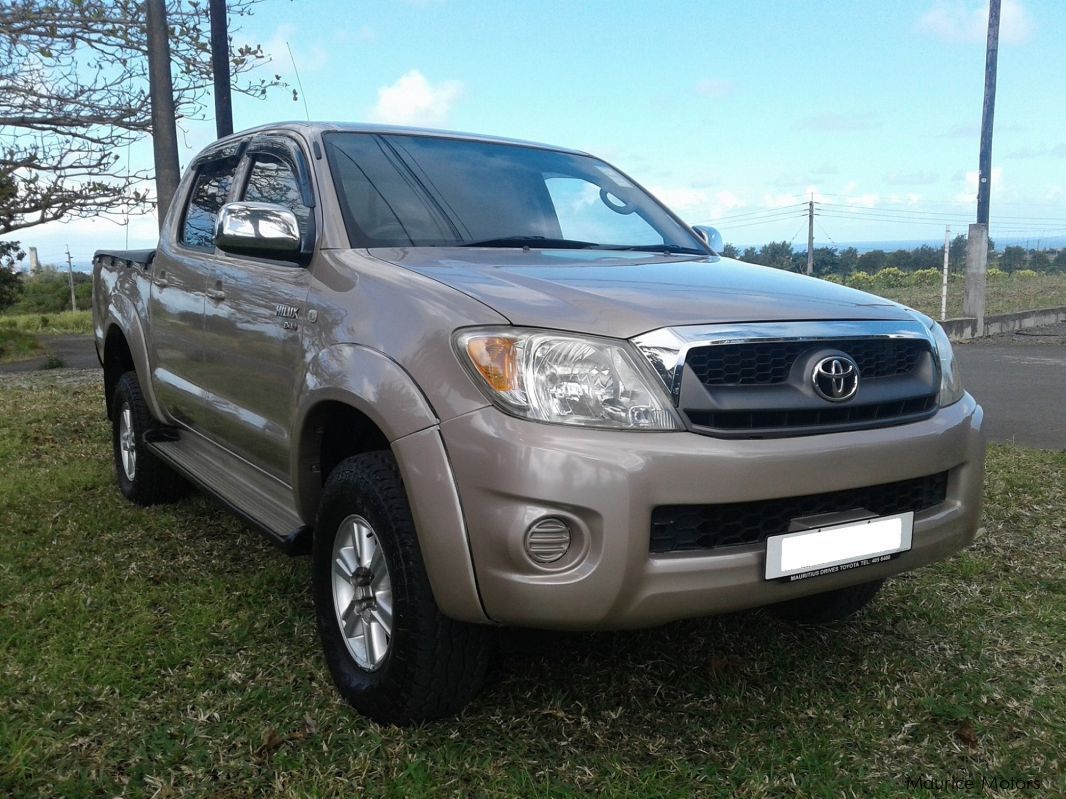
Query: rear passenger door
[
  {"x": 254, "y": 318},
  {"x": 184, "y": 260}
]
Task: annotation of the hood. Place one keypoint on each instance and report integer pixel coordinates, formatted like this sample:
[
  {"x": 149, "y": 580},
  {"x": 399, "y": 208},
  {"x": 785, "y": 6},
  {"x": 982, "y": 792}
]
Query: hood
[{"x": 623, "y": 294}]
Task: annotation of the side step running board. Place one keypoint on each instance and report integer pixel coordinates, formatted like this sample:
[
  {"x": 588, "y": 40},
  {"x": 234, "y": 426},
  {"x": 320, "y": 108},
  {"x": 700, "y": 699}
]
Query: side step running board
[{"x": 261, "y": 500}]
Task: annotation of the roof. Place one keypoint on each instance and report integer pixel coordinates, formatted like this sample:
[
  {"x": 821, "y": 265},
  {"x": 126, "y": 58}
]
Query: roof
[{"x": 312, "y": 130}]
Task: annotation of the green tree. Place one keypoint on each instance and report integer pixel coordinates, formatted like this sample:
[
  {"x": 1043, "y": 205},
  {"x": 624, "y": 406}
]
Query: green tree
[
  {"x": 777, "y": 254},
  {"x": 1039, "y": 261},
  {"x": 1012, "y": 258},
  {"x": 1059, "y": 264},
  {"x": 849, "y": 260},
  {"x": 751, "y": 255},
  {"x": 74, "y": 93},
  {"x": 873, "y": 261},
  {"x": 730, "y": 251},
  {"x": 10, "y": 278}
]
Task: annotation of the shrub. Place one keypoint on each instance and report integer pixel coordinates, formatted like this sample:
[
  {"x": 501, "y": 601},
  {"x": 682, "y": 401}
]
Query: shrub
[
  {"x": 860, "y": 280},
  {"x": 831, "y": 278},
  {"x": 996, "y": 274},
  {"x": 926, "y": 277},
  {"x": 1025, "y": 274},
  {"x": 891, "y": 277}
]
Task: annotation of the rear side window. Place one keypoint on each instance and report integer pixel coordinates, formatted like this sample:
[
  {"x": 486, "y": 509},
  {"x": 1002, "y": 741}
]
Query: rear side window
[
  {"x": 209, "y": 193},
  {"x": 272, "y": 180}
]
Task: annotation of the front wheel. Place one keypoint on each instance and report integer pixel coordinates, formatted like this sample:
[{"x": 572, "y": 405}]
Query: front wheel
[
  {"x": 828, "y": 607},
  {"x": 392, "y": 654}
]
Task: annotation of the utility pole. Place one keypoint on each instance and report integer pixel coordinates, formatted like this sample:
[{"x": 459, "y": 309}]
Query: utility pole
[
  {"x": 984, "y": 184},
  {"x": 944, "y": 285},
  {"x": 810, "y": 236},
  {"x": 161, "y": 88},
  {"x": 70, "y": 273},
  {"x": 220, "y": 68},
  {"x": 977, "y": 240}
]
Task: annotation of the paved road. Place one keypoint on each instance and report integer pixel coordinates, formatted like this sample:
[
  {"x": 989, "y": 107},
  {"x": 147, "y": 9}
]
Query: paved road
[
  {"x": 1020, "y": 379},
  {"x": 76, "y": 352}
]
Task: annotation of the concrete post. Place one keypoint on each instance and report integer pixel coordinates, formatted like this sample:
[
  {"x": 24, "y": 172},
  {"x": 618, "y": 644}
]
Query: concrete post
[{"x": 976, "y": 270}]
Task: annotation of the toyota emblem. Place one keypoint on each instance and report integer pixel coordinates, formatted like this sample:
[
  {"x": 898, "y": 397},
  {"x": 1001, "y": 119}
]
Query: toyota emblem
[{"x": 836, "y": 378}]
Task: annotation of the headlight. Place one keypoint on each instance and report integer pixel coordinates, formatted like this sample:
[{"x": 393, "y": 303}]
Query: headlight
[
  {"x": 565, "y": 379},
  {"x": 950, "y": 379}
]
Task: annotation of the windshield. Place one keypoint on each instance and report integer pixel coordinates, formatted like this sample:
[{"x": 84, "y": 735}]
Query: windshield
[{"x": 418, "y": 191}]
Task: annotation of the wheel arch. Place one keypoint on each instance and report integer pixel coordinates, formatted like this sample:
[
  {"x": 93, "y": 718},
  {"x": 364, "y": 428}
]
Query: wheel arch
[{"x": 358, "y": 400}]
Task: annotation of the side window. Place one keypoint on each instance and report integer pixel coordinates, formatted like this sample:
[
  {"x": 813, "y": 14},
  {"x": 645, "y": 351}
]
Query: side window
[
  {"x": 213, "y": 181},
  {"x": 272, "y": 180}
]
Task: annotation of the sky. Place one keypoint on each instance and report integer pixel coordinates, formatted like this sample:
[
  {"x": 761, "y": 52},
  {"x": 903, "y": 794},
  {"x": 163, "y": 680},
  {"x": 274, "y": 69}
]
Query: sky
[{"x": 733, "y": 113}]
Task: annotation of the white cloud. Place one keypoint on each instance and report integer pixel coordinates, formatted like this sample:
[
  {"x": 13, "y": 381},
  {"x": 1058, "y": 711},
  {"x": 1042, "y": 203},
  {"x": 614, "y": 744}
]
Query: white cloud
[
  {"x": 696, "y": 204},
  {"x": 714, "y": 88},
  {"x": 681, "y": 198},
  {"x": 308, "y": 59},
  {"x": 967, "y": 21},
  {"x": 839, "y": 122},
  {"x": 773, "y": 201},
  {"x": 969, "y": 195},
  {"x": 918, "y": 177},
  {"x": 413, "y": 100}
]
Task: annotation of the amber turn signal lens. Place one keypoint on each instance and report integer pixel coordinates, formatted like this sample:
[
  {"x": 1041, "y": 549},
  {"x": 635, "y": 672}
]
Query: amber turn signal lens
[{"x": 496, "y": 358}]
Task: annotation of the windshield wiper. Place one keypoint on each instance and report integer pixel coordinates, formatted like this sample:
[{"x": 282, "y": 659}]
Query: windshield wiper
[
  {"x": 668, "y": 249},
  {"x": 541, "y": 242}
]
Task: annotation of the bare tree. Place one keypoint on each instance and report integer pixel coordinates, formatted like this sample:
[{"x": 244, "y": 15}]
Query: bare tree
[{"x": 74, "y": 94}]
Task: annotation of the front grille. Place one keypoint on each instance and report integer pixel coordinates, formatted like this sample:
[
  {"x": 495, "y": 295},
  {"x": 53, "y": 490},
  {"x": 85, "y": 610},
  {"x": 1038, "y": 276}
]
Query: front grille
[
  {"x": 766, "y": 363},
  {"x": 830, "y": 416},
  {"x": 679, "y": 528}
]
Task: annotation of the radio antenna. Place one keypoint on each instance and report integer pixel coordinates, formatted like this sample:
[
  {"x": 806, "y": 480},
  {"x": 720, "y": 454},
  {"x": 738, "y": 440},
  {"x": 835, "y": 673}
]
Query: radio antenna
[{"x": 303, "y": 94}]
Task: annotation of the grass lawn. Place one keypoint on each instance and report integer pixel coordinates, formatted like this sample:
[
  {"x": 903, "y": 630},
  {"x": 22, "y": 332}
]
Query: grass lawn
[
  {"x": 49, "y": 323},
  {"x": 1005, "y": 295},
  {"x": 170, "y": 652},
  {"x": 19, "y": 332},
  {"x": 17, "y": 345}
]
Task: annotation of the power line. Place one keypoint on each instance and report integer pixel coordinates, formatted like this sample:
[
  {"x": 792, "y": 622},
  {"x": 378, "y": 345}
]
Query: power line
[{"x": 758, "y": 212}]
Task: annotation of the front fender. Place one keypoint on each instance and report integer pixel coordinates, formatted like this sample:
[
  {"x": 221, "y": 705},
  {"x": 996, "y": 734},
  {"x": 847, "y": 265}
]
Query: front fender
[{"x": 380, "y": 389}]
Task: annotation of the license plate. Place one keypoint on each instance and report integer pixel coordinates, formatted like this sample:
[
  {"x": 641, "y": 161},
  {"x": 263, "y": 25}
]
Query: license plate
[{"x": 828, "y": 550}]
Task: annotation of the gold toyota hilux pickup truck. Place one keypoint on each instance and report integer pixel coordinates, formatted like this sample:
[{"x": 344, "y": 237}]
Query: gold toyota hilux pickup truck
[{"x": 487, "y": 382}]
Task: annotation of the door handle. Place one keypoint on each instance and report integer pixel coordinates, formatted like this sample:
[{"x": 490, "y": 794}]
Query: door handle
[{"x": 216, "y": 294}]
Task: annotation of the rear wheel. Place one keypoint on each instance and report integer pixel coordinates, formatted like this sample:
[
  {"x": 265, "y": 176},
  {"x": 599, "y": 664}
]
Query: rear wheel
[
  {"x": 142, "y": 477},
  {"x": 392, "y": 654},
  {"x": 828, "y": 607}
]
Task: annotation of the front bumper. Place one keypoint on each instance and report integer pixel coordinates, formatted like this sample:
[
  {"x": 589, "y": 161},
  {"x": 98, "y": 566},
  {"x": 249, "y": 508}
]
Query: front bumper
[{"x": 511, "y": 472}]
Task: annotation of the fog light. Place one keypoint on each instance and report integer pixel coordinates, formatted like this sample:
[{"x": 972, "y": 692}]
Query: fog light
[{"x": 548, "y": 540}]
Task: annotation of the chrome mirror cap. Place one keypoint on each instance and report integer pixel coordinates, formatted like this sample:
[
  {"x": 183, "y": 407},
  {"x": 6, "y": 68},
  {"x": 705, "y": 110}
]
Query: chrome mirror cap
[
  {"x": 711, "y": 237},
  {"x": 250, "y": 227}
]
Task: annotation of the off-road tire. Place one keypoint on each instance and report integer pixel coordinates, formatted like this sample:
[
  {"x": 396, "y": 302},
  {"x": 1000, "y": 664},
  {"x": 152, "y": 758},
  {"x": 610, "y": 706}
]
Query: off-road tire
[
  {"x": 153, "y": 481},
  {"x": 829, "y": 607},
  {"x": 434, "y": 665}
]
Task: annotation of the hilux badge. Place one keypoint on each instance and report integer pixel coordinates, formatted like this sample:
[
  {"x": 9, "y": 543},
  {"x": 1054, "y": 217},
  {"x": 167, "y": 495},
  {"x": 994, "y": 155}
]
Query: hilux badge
[{"x": 286, "y": 311}]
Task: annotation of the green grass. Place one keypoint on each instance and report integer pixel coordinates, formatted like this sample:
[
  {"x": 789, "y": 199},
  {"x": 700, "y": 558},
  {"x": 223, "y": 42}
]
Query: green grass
[
  {"x": 170, "y": 652},
  {"x": 49, "y": 323},
  {"x": 1003, "y": 296},
  {"x": 17, "y": 345}
]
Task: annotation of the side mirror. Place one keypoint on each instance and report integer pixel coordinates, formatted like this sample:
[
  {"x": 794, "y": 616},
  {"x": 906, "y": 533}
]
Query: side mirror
[
  {"x": 711, "y": 237},
  {"x": 257, "y": 229}
]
